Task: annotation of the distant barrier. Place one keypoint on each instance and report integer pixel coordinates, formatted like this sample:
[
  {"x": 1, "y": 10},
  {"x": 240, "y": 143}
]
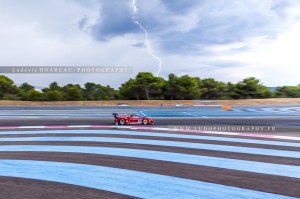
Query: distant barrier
[
  {"x": 226, "y": 107},
  {"x": 223, "y": 107}
]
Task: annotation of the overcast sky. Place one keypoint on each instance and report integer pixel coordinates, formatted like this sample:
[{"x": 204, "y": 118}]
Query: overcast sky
[{"x": 224, "y": 39}]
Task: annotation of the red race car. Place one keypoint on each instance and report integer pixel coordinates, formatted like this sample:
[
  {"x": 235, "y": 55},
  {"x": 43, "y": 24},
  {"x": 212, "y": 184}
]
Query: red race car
[{"x": 131, "y": 119}]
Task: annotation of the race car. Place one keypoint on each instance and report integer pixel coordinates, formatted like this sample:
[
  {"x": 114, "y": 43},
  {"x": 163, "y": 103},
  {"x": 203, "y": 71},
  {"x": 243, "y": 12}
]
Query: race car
[{"x": 131, "y": 119}]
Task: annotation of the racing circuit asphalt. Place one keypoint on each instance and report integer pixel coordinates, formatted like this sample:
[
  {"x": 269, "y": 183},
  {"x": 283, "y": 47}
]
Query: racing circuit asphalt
[
  {"x": 110, "y": 162},
  {"x": 284, "y": 118},
  {"x": 137, "y": 164}
]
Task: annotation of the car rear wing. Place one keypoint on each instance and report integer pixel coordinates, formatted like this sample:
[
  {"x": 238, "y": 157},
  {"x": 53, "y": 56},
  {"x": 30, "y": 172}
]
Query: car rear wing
[{"x": 115, "y": 114}]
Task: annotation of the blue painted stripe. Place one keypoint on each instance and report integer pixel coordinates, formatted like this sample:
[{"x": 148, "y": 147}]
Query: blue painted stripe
[
  {"x": 269, "y": 109},
  {"x": 226, "y": 163},
  {"x": 282, "y": 111},
  {"x": 290, "y": 109},
  {"x": 132, "y": 183},
  {"x": 152, "y": 134},
  {"x": 252, "y": 109},
  {"x": 237, "y": 110},
  {"x": 214, "y": 147}
]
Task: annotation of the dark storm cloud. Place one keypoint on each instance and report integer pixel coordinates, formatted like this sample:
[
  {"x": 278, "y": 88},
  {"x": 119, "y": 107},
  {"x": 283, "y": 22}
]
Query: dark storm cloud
[
  {"x": 181, "y": 6},
  {"x": 216, "y": 22},
  {"x": 221, "y": 23},
  {"x": 115, "y": 20}
]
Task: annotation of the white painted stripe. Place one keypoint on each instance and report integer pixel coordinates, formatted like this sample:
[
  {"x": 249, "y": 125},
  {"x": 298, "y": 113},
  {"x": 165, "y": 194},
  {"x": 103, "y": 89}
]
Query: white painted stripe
[
  {"x": 164, "y": 129},
  {"x": 220, "y": 133},
  {"x": 153, "y": 134},
  {"x": 190, "y": 145},
  {"x": 287, "y": 137},
  {"x": 79, "y": 126},
  {"x": 123, "y": 127},
  {"x": 31, "y": 127},
  {"x": 158, "y": 129}
]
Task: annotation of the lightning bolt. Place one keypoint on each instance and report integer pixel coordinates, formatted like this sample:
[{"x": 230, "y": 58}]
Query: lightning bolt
[{"x": 149, "y": 49}]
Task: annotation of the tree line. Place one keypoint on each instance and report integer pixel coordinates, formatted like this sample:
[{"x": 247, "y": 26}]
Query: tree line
[{"x": 145, "y": 86}]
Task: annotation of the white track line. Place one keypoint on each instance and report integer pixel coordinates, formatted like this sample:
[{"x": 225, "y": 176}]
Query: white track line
[{"x": 260, "y": 135}]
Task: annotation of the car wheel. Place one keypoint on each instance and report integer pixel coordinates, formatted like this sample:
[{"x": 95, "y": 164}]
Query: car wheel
[
  {"x": 145, "y": 122},
  {"x": 122, "y": 121}
]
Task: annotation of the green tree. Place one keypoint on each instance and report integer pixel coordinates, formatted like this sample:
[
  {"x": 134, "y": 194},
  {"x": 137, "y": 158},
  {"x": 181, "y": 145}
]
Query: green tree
[
  {"x": 33, "y": 95},
  {"x": 94, "y": 91},
  {"x": 24, "y": 91},
  {"x": 129, "y": 90},
  {"x": 54, "y": 86},
  {"x": 106, "y": 93},
  {"x": 250, "y": 88},
  {"x": 144, "y": 87},
  {"x": 90, "y": 91},
  {"x": 54, "y": 92},
  {"x": 183, "y": 88},
  {"x": 150, "y": 87},
  {"x": 7, "y": 87},
  {"x": 72, "y": 92},
  {"x": 288, "y": 91},
  {"x": 54, "y": 95},
  {"x": 212, "y": 89},
  {"x": 232, "y": 91},
  {"x": 25, "y": 87},
  {"x": 157, "y": 88}
]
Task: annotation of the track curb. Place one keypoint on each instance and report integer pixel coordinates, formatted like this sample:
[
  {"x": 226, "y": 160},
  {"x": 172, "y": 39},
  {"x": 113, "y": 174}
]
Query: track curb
[{"x": 258, "y": 135}]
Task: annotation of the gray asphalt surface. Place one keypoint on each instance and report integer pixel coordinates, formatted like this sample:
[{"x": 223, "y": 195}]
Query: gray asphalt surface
[
  {"x": 13, "y": 185},
  {"x": 247, "y": 166},
  {"x": 158, "y": 121},
  {"x": 284, "y": 118}
]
